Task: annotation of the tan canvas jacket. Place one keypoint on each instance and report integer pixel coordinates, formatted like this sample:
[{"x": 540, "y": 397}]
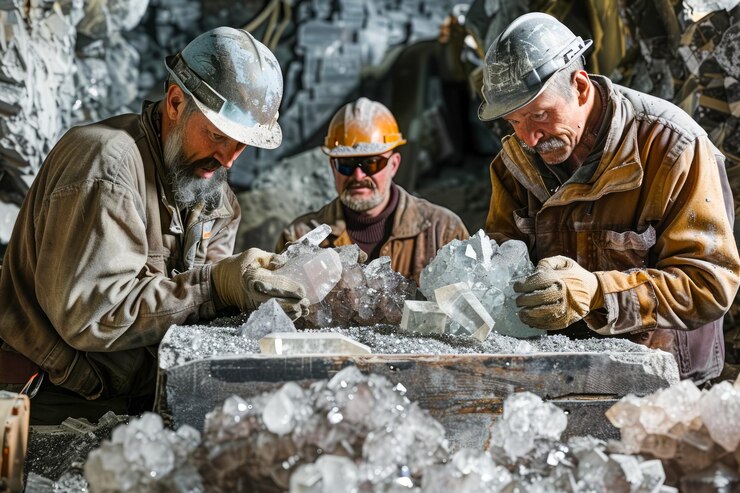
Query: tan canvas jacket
[
  {"x": 654, "y": 223},
  {"x": 100, "y": 263},
  {"x": 419, "y": 230}
]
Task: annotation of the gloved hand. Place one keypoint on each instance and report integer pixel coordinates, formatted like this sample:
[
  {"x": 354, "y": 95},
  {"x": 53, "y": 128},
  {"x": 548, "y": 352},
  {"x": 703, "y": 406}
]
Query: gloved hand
[
  {"x": 244, "y": 281},
  {"x": 559, "y": 293}
]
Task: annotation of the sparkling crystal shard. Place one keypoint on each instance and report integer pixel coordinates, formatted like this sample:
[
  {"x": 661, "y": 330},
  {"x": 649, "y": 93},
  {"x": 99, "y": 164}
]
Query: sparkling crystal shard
[
  {"x": 292, "y": 343},
  {"x": 268, "y": 318},
  {"x": 461, "y": 305},
  {"x": 425, "y": 317},
  {"x": 317, "y": 271}
]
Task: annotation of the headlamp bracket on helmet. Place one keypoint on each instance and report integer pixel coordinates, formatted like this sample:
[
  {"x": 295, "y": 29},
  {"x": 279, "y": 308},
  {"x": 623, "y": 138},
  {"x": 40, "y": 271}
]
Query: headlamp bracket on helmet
[
  {"x": 538, "y": 76},
  {"x": 196, "y": 86}
]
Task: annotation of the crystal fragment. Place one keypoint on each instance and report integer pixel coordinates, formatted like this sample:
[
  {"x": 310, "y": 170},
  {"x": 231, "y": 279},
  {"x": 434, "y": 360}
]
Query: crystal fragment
[
  {"x": 424, "y": 317},
  {"x": 282, "y": 409},
  {"x": 268, "y": 318},
  {"x": 293, "y": 343},
  {"x": 461, "y": 305},
  {"x": 317, "y": 271}
]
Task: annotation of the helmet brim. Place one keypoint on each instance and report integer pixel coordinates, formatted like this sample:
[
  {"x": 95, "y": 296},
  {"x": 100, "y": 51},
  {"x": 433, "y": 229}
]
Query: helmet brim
[
  {"x": 258, "y": 135},
  {"x": 503, "y": 105},
  {"x": 362, "y": 149}
]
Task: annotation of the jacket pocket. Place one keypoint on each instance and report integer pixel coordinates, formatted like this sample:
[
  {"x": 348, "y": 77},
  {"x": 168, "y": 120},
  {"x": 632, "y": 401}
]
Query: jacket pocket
[
  {"x": 621, "y": 251},
  {"x": 525, "y": 225}
]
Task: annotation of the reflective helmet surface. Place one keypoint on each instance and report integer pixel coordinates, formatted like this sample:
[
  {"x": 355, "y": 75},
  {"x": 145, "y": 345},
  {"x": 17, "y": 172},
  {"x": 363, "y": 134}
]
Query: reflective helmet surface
[
  {"x": 235, "y": 81},
  {"x": 362, "y": 128},
  {"x": 522, "y": 59}
]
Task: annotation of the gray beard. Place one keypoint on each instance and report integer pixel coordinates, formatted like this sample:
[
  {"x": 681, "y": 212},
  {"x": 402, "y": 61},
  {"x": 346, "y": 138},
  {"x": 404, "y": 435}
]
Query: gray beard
[
  {"x": 188, "y": 188},
  {"x": 362, "y": 205}
]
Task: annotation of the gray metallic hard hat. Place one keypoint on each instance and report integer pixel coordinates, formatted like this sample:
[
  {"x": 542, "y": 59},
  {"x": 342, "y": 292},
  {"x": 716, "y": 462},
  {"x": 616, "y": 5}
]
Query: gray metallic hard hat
[
  {"x": 523, "y": 57},
  {"x": 235, "y": 81}
]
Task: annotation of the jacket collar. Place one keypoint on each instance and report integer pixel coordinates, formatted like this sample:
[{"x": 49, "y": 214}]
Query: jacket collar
[
  {"x": 408, "y": 221},
  {"x": 619, "y": 169}
]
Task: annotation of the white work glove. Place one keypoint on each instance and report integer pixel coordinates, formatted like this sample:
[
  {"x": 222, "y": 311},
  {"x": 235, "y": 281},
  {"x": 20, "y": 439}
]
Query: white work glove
[
  {"x": 244, "y": 281},
  {"x": 558, "y": 294}
]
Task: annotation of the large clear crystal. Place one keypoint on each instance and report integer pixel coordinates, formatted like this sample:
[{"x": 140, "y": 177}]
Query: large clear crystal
[
  {"x": 318, "y": 271},
  {"x": 489, "y": 270},
  {"x": 292, "y": 343},
  {"x": 461, "y": 305},
  {"x": 425, "y": 317},
  {"x": 268, "y": 318}
]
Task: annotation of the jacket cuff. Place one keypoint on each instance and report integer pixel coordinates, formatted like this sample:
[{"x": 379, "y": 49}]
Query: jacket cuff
[{"x": 626, "y": 310}]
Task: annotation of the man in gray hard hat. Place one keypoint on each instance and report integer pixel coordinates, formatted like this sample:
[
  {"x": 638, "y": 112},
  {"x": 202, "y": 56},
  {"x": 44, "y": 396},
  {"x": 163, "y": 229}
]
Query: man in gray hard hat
[
  {"x": 620, "y": 196},
  {"x": 129, "y": 228}
]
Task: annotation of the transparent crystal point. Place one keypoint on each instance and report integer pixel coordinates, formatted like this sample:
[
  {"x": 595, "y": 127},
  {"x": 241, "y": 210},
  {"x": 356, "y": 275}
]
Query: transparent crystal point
[
  {"x": 425, "y": 317},
  {"x": 291, "y": 343},
  {"x": 315, "y": 236},
  {"x": 268, "y": 318},
  {"x": 461, "y": 305}
]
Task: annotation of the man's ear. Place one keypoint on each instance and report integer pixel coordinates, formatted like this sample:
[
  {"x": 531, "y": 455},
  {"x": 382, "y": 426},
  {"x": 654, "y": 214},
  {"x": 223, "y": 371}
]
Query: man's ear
[
  {"x": 175, "y": 99},
  {"x": 583, "y": 85},
  {"x": 395, "y": 162}
]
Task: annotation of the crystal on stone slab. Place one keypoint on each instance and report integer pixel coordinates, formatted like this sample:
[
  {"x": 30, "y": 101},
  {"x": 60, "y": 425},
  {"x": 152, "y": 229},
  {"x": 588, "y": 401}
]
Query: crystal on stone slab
[
  {"x": 293, "y": 343},
  {"x": 317, "y": 271},
  {"x": 720, "y": 408},
  {"x": 268, "y": 318},
  {"x": 425, "y": 317},
  {"x": 488, "y": 269},
  {"x": 461, "y": 305}
]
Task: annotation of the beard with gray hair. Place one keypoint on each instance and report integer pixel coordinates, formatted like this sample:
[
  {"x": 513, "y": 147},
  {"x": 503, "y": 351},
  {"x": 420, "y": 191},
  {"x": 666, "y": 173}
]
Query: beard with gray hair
[
  {"x": 188, "y": 188},
  {"x": 363, "y": 205}
]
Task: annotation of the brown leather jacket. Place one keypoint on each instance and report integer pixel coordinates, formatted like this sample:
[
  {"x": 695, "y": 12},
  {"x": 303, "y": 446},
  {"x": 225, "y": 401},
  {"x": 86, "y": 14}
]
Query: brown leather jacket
[
  {"x": 419, "y": 230},
  {"x": 653, "y": 222},
  {"x": 100, "y": 263}
]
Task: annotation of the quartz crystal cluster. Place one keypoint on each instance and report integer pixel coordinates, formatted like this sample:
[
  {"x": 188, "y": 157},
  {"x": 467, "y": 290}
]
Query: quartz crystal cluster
[
  {"x": 144, "y": 456},
  {"x": 360, "y": 433},
  {"x": 364, "y": 294},
  {"x": 334, "y": 436},
  {"x": 526, "y": 454},
  {"x": 695, "y": 432},
  {"x": 471, "y": 283}
]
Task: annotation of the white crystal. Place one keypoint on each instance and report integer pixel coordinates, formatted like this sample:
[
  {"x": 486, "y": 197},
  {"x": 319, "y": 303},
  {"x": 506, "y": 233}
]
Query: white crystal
[
  {"x": 317, "y": 271},
  {"x": 281, "y": 411},
  {"x": 425, "y": 317},
  {"x": 268, "y": 318},
  {"x": 720, "y": 409},
  {"x": 461, "y": 305},
  {"x": 292, "y": 343}
]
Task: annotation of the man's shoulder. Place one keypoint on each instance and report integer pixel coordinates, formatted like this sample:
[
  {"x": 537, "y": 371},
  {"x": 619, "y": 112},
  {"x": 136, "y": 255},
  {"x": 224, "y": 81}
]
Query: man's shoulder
[
  {"x": 654, "y": 110},
  {"x": 429, "y": 210}
]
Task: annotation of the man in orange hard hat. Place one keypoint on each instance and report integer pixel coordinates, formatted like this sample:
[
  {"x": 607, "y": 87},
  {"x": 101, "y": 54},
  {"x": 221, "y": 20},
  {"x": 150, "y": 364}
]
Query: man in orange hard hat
[{"x": 371, "y": 211}]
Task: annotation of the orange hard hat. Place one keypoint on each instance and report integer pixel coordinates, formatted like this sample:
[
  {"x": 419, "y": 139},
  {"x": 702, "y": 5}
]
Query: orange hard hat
[{"x": 362, "y": 128}]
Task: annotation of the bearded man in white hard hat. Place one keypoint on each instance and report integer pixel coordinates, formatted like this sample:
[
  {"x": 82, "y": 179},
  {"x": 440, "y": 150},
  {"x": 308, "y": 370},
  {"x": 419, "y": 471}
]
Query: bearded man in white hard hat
[
  {"x": 621, "y": 197},
  {"x": 129, "y": 228}
]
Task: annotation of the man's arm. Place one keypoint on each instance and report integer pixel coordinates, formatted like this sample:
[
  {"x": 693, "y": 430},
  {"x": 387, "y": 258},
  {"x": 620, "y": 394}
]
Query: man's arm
[
  {"x": 92, "y": 280},
  {"x": 697, "y": 271}
]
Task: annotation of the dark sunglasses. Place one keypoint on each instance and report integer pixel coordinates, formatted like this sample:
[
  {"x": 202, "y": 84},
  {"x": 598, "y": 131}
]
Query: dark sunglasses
[{"x": 369, "y": 164}]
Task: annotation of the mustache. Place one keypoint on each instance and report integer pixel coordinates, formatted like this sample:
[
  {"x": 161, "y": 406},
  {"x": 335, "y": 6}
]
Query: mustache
[
  {"x": 365, "y": 182},
  {"x": 551, "y": 144},
  {"x": 208, "y": 163}
]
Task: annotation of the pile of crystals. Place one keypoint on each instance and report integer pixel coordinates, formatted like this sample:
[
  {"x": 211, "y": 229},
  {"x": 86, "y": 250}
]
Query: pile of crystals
[
  {"x": 144, "y": 456},
  {"x": 695, "y": 432},
  {"x": 359, "y": 430},
  {"x": 358, "y": 294},
  {"x": 527, "y": 455},
  {"x": 469, "y": 288}
]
